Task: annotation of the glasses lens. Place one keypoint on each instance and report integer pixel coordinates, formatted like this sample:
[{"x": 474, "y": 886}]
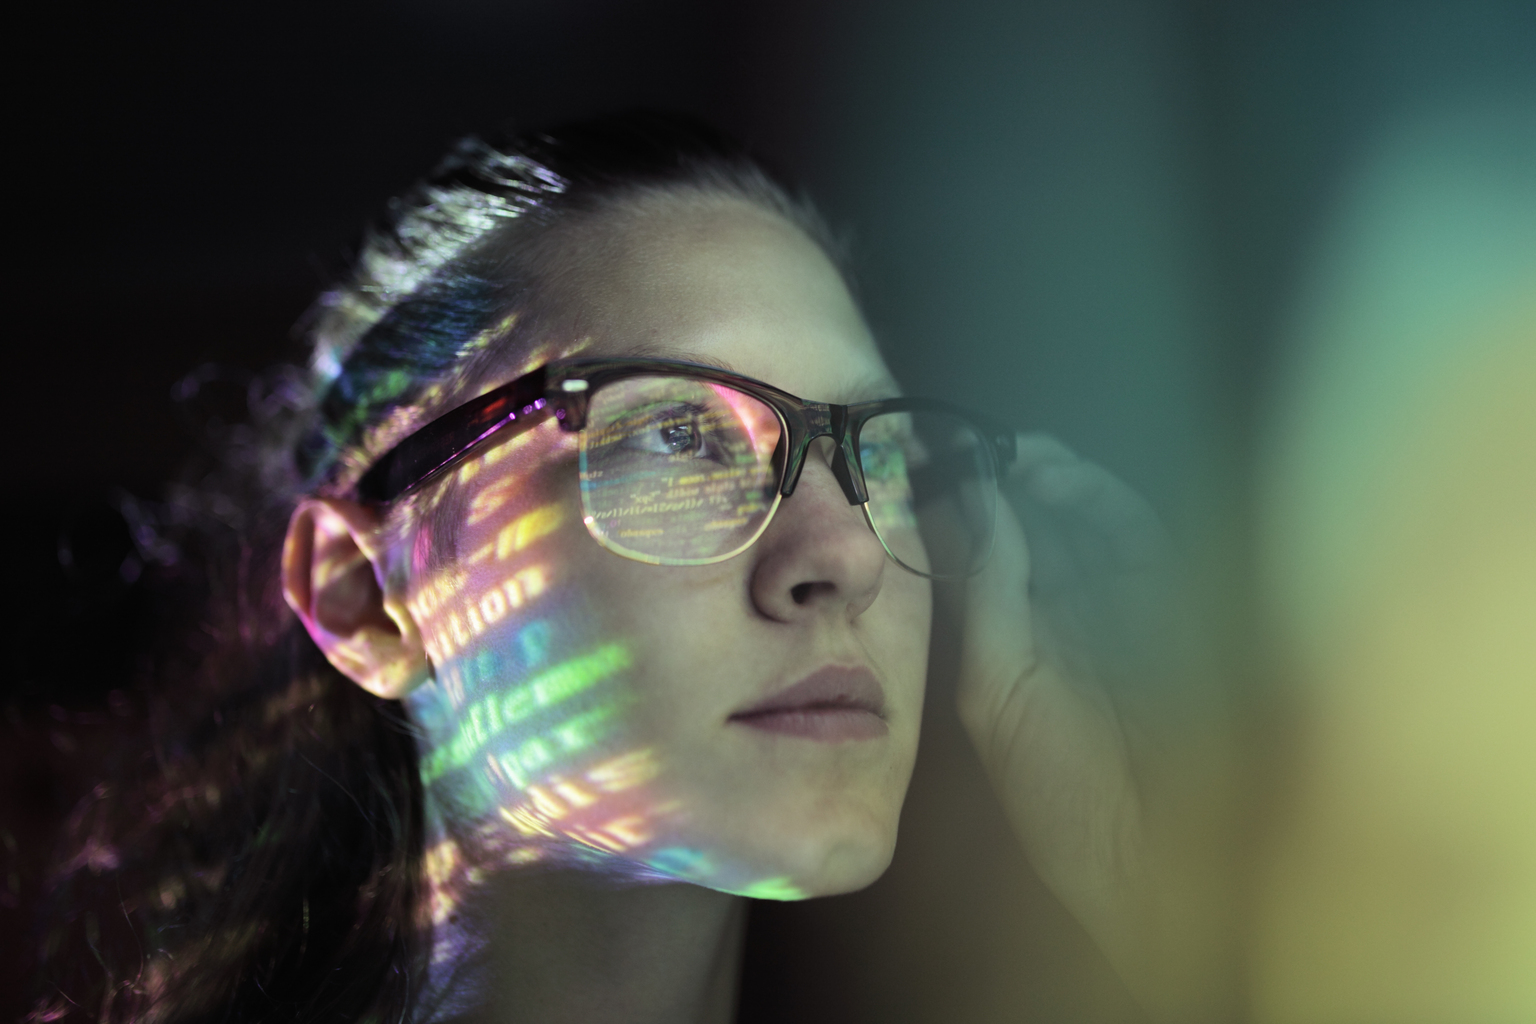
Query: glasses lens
[
  {"x": 678, "y": 471},
  {"x": 932, "y": 491}
]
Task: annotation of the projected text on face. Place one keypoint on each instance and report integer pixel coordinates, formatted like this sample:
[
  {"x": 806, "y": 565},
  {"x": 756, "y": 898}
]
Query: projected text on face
[
  {"x": 529, "y": 743},
  {"x": 675, "y": 469}
]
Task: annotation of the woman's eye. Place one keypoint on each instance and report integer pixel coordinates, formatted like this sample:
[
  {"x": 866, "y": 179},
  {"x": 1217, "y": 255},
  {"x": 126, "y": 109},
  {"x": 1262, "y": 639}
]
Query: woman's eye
[
  {"x": 679, "y": 438},
  {"x": 678, "y": 433}
]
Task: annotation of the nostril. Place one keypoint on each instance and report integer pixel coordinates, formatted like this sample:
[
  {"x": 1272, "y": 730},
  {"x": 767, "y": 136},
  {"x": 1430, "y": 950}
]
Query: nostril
[{"x": 801, "y": 592}]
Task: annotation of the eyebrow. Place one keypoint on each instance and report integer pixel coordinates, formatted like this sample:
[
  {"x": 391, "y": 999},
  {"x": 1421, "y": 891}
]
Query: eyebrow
[
  {"x": 668, "y": 352},
  {"x": 865, "y": 389}
]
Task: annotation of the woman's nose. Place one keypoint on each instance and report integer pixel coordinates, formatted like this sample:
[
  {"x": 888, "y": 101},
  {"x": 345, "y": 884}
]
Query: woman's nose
[{"x": 818, "y": 557}]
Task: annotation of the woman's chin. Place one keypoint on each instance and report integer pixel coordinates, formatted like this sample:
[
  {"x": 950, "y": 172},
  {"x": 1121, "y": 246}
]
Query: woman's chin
[
  {"x": 827, "y": 868},
  {"x": 794, "y": 868},
  {"x": 848, "y": 870}
]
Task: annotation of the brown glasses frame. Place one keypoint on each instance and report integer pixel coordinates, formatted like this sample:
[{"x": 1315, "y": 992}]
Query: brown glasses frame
[{"x": 563, "y": 389}]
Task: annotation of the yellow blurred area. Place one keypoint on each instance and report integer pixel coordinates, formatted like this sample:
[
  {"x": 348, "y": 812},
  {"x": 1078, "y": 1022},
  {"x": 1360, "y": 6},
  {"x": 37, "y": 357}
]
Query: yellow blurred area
[{"x": 1397, "y": 878}]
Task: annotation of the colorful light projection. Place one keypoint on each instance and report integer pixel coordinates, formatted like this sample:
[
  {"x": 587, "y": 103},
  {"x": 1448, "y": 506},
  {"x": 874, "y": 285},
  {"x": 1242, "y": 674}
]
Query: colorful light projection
[
  {"x": 677, "y": 470},
  {"x": 527, "y": 748}
]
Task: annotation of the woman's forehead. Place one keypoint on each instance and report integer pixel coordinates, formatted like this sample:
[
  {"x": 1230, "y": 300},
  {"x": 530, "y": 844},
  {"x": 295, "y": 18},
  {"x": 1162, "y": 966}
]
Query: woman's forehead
[{"x": 721, "y": 281}]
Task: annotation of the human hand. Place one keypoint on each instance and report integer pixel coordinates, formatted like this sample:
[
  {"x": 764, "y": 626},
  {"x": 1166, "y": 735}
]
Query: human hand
[{"x": 1076, "y": 655}]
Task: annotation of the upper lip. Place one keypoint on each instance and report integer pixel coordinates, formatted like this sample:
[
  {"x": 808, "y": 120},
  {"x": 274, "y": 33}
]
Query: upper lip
[{"x": 832, "y": 687}]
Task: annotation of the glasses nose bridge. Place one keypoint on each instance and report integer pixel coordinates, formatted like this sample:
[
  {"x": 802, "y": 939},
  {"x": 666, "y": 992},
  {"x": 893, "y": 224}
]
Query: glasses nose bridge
[{"x": 817, "y": 420}]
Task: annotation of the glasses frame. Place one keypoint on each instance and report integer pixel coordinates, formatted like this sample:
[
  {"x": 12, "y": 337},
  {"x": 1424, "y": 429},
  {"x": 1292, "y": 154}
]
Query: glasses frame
[{"x": 564, "y": 388}]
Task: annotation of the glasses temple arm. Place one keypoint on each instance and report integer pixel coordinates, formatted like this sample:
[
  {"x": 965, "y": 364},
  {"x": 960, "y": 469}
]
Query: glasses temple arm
[{"x": 450, "y": 439}]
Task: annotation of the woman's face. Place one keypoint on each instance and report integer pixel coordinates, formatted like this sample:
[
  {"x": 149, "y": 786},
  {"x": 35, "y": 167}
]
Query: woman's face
[{"x": 590, "y": 707}]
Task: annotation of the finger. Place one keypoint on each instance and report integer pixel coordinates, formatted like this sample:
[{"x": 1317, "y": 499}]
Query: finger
[
  {"x": 1048, "y": 479},
  {"x": 1059, "y": 476},
  {"x": 998, "y": 644},
  {"x": 1035, "y": 450},
  {"x": 1052, "y": 560},
  {"x": 1116, "y": 525}
]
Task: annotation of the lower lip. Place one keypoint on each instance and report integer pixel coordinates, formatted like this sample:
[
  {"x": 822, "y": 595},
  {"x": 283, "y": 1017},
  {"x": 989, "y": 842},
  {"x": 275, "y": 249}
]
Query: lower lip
[{"x": 830, "y": 725}]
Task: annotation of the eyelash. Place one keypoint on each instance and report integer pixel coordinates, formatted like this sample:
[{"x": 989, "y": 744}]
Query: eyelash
[{"x": 679, "y": 416}]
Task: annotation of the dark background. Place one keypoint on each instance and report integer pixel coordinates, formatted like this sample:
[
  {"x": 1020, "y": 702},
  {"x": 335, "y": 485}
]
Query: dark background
[{"x": 1088, "y": 217}]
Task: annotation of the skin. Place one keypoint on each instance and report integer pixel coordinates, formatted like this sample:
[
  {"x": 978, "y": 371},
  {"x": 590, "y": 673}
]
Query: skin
[
  {"x": 595, "y": 921},
  {"x": 718, "y": 281}
]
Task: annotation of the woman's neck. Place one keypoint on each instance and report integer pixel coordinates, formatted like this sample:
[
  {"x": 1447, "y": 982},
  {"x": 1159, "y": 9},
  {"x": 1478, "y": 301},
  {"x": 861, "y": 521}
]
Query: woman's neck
[{"x": 569, "y": 945}]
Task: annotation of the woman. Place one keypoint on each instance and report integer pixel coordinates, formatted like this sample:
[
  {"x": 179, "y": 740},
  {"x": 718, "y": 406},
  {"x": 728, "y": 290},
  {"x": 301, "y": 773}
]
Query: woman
[{"x": 603, "y": 628}]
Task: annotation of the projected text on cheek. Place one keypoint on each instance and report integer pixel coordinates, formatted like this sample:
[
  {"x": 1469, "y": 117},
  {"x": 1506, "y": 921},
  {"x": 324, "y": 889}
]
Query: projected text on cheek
[
  {"x": 451, "y": 618},
  {"x": 530, "y": 746},
  {"x": 524, "y": 716},
  {"x": 492, "y": 715}
]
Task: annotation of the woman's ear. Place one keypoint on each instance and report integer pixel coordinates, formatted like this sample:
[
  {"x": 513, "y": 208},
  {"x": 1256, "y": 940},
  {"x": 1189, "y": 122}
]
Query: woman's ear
[{"x": 334, "y": 579}]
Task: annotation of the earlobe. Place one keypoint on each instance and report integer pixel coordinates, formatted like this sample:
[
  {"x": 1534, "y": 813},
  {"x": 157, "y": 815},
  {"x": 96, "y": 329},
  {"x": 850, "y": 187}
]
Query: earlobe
[{"x": 333, "y": 579}]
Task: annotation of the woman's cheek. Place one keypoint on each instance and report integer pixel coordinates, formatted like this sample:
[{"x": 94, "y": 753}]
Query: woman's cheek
[
  {"x": 523, "y": 724},
  {"x": 900, "y": 635},
  {"x": 535, "y": 746},
  {"x": 536, "y": 751}
]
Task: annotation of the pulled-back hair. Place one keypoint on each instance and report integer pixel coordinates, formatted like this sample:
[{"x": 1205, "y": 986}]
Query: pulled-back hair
[{"x": 266, "y": 863}]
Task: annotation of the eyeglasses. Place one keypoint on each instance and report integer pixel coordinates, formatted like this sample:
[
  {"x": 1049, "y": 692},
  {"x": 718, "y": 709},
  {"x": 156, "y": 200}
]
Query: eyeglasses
[{"x": 683, "y": 464}]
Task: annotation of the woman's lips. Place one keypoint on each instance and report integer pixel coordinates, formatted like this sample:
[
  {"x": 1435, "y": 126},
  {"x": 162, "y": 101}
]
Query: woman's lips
[{"x": 831, "y": 704}]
